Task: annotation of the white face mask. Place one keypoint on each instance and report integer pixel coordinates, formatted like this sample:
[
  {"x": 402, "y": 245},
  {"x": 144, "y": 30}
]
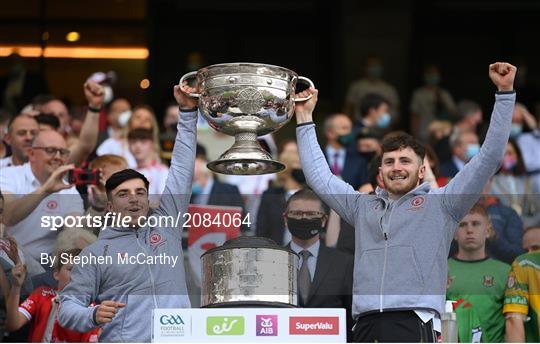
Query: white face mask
[{"x": 123, "y": 118}]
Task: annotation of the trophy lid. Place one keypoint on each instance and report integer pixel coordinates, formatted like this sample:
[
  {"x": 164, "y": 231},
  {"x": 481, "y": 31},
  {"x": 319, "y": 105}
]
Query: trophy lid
[{"x": 249, "y": 242}]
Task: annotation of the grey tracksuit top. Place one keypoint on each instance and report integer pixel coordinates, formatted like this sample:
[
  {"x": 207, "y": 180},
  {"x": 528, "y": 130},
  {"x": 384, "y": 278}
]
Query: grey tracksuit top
[
  {"x": 142, "y": 287},
  {"x": 405, "y": 267}
]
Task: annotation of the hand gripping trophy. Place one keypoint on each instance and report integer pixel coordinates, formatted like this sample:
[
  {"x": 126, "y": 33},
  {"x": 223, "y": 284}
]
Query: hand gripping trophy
[{"x": 246, "y": 100}]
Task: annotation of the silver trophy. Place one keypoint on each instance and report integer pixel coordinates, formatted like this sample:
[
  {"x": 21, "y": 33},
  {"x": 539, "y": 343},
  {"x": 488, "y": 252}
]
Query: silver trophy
[{"x": 246, "y": 100}]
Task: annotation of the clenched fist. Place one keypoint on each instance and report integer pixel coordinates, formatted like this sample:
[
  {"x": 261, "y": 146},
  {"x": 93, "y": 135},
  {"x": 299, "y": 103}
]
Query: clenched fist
[
  {"x": 107, "y": 310},
  {"x": 502, "y": 74}
]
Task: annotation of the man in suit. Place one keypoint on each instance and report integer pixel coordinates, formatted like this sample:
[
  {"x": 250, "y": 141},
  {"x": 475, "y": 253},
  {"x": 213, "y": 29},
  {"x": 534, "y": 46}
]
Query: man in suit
[
  {"x": 207, "y": 190},
  {"x": 340, "y": 151},
  {"x": 464, "y": 145},
  {"x": 325, "y": 274}
]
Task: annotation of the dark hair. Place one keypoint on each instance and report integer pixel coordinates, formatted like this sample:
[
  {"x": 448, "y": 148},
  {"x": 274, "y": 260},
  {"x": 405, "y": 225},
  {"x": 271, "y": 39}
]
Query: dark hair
[
  {"x": 48, "y": 119},
  {"x": 14, "y": 118},
  {"x": 141, "y": 134},
  {"x": 371, "y": 101},
  {"x": 307, "y": 194},
  {"x": 122, "y": 176},
  {"x": 200, "y": 151},
  {"x": 430, "y": 153},
  {"x": 519, "y": 169},
  {"x": 400, "y": 140},
  {"x": 61, "y": 257},
  {"x": 42, "y": 99},
  {"x": 464, "y": 108}
]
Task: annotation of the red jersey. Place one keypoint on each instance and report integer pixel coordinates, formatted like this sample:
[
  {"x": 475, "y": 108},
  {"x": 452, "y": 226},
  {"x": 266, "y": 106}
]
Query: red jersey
[{"x": 37, "y": 308}]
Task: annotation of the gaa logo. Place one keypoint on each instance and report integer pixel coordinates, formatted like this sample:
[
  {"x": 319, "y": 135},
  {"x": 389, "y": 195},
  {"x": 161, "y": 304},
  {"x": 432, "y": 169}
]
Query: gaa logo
[
  {"x": 171, "y": 320},
  {"x": 417, "y": 201},
  {"x": 52, "y": 205}
]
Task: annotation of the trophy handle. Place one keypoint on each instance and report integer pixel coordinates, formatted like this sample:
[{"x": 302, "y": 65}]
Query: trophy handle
[
  {"x": 310, "y": 83},
  {"x": 189, "y": 75}
]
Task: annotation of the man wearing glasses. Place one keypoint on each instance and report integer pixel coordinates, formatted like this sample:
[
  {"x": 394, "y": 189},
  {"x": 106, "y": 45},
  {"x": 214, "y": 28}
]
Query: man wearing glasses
[
  {"x": 325, "y": 274},
  {"x": 37, "y": 189}
]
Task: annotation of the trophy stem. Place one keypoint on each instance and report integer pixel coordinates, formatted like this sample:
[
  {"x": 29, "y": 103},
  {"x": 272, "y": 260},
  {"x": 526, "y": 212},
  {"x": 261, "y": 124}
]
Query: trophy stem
[{"x": 245, "y": 157}]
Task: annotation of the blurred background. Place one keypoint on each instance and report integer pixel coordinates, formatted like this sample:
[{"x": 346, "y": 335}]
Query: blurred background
[{"x": 150, "y": 44}]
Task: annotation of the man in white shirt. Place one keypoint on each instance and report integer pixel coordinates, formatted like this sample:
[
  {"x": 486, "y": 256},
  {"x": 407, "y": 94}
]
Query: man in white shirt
[
  {"x": 37, "y": 189},
  {"x": 21, "y": 131}
]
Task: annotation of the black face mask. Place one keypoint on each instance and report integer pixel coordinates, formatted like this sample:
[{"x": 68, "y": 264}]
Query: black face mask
[
  {"x": 304, "y": 228},
  {"x": 298, "y": 175},
  {"x": 368, "y": 156}
]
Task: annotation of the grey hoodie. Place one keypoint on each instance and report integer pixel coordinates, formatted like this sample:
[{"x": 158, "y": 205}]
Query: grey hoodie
[
  {"x": 142, "y": 287},
  {"x": 404, "y": 266}
]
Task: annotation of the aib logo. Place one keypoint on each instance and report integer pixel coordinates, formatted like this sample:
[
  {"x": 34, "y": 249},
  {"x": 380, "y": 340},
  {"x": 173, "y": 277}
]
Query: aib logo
[
  {"x": 267, "y": 325},
  {"x": 225, "y": 326},
  {"x": 171, "y": 320}
]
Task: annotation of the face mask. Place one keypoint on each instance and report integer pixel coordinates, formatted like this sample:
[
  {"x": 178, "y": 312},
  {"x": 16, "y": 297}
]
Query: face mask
[
  {"x": 298, "y": 175},
  {"x": 384, "y": 120},
  {"x": 368, "y": 156},
  {"x": 375, "y": 71},
  {"x": 123, "y": 118},
  {"x": 509, "y": 163},
  {"x": 346, "y": 140},
  {"x": 516, "y": 130},
  {"x": 432, "y": 79},
  {"x": 304, "y": 228},
  {"x": 196, "y": 189},
  {"x": 472, "y": 150}
]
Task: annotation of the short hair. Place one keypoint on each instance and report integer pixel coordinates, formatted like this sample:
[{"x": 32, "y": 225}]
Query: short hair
[
  {"x": 307, "y": 194},
  {"x": 464, "y": 108},
  {"x": 371, "y": 101},
  {"x": 401, "y": 140},
  {"x": 108, "y": 159},
  {"x": 48, "y": 119},
  {"x": 141, "y": 134},
  {"x": 455, "y": 138},
  {"x": 60, "y": 257},
  {"x": 20, "y": 115},
  {"x": 5, "y": 116},
  {"x": 328, "y": 122},
  {"x": 122, "y": 176},
  {"x": 479, "y": 209},
  {"x": 41, "y": 99},
  {"x": 532, "y": 227}
]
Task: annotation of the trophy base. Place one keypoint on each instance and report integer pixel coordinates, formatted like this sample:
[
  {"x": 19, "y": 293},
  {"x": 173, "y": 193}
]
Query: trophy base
[
  {"x": 245, "y": 157},
  {"x": 245, "y": 167}
]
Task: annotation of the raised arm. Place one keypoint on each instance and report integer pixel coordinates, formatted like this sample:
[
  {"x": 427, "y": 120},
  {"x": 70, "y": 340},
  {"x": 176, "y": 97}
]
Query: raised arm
[
  {"x": 175, "y": 198},
  {"x": 466, "y": 187},
  {"x": 90, "y": 129},
  {"x": 337, "y": 194}
]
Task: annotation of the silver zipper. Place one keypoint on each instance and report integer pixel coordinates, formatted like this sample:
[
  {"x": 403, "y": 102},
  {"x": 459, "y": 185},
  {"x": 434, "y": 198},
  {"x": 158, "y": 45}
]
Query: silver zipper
[{"x": 383, "y": 271}]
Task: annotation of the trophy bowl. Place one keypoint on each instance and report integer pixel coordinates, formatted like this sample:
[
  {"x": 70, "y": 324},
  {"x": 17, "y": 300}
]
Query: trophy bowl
[{"x": 246, "y": 100}]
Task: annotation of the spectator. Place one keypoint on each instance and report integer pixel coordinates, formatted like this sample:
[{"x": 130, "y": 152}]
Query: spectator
[
  {"x": 37, "y": 189},
  {"x": 208, "y": 190},
  {"x": 468, "y": 116},
  {"x": 505, "y": 243},
  {"x": 270, "y": 223},
  {"x": 343, "y": 161},
  {"x": 143, "y": 117},
  {"x": 374, "y": 113},
  {"x": 325, "y": 274},
  {"x": 47, "y": 122},
  {"x": 430, "y": 102},
  {"x": 43, "y": 304},
  {"x": 372, "y": 83},
  {"x": 529, "y": 144},
  {"x": 166, "y": 138},
  {"x": 522, "y": 300},
  {"x": 368, "y": 144},
  {"x": 439, "y": 134},
  {"x": 514, "y": 188},
  {"x": 531, "y": 239},
  {"x": 21, "y": 132},
  {"x": 477, "y": 278},
  {"x": 57, "y": 108},
  {"x": 128, "y": 293},
  {"x": 464, "y": 145},
  {"x": 142, "y": 147},
  {"x": 4, "y": 121}
]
